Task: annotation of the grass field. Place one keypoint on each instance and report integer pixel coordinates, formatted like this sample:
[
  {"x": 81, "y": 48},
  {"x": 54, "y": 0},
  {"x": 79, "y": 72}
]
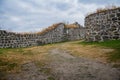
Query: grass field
[
  {"x": 12, "y": 59},
  {"x": 114, "y": 44}
]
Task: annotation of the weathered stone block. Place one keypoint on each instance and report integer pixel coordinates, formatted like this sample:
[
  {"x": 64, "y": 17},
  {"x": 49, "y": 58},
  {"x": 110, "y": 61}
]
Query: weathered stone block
[{"x": 106, "y": 23}]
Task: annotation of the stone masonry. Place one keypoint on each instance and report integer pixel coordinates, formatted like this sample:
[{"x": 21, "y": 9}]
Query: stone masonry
[
  {"x": 103, "y": 26},
  {"x": 100, "y": 26},
  {"x": 55, "y": 33},
  {"x": 13, "y": 40},
  {"x": 74, "y": 32}
]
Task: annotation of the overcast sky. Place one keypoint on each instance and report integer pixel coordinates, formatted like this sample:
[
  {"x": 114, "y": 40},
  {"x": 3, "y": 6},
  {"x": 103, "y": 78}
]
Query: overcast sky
[{"x": 34, "y": 15}]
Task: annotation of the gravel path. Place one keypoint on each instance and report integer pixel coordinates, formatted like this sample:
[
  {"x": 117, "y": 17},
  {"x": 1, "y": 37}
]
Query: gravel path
[
  {"x": 64, "y": 66},
  {"x": 67, "y": 67}
]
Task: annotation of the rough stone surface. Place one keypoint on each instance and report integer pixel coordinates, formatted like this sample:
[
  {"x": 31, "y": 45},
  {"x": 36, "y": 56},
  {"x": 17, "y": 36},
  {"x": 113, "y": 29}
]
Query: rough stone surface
[
  {"x": 103, "y": 25},
  {"x": 58, "y": 34}
]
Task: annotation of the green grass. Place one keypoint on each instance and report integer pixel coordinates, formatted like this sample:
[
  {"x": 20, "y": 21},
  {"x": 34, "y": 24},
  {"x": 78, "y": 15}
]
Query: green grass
[
  {"x": 9, "y": 65},
  {"x": 6, "y": 66},
  {"x": 51, "y": 78},
  {"x": 5, "y": 50},
  {"x": 114, "y": 44},
  {"x": 19, "y": 50}
]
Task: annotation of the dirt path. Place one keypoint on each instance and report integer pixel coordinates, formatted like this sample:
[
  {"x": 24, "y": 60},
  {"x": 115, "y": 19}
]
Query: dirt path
[
  {"x": 67, "y": 67},
  {"x": 64, "y": 66}
]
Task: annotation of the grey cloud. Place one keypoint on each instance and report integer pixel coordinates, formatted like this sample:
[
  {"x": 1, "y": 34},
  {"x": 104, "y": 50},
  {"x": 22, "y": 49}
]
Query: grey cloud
[{"x": 34, "y": 15}]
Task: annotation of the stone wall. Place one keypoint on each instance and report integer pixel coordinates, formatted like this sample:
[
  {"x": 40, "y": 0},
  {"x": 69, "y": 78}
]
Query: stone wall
[
  {"x": 13, "y": 40},
  {"x": 63, "y": 33},
  {"x": 56, "y": 33},
  {"x": 75, "y": 33},
  {"x": 102, "y": 26},
  {"x": 53, "y": 35}
]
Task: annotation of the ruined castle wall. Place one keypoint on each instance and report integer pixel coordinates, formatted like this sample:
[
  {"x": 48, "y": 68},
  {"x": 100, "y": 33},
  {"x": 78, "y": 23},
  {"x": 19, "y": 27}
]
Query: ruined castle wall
[
  {"x": 76, "y": 33},
  {"x": 58, "y": 34},
  {"x": 103, "y": 25},
  {"x": 55, "y": 35},
  {"x": 12, "y": 40}
]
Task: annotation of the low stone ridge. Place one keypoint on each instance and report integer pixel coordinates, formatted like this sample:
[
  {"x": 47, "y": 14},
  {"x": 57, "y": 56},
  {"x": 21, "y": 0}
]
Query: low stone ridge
[
  {"x": 55, "y": 33},
  {"x": 104, "y": 25}
]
